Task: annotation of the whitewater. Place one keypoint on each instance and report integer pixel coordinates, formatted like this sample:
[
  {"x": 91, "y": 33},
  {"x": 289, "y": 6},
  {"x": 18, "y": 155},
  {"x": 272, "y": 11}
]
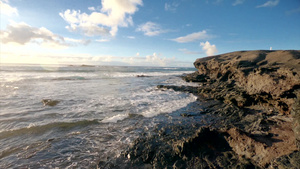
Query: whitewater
[{"x": 100, "y": 111}]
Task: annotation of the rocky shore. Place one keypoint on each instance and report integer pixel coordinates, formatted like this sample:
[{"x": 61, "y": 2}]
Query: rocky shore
[{"x": 249, "y": 117}]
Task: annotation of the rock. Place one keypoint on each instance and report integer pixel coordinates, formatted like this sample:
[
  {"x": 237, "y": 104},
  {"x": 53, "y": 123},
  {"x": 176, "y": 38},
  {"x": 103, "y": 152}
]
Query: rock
[
  {"x": 250, "y": 103},
  {"x": 142, "y": 76},
  {"x": 296, "y": 121},
  {"x": 50, "y": 102},
  {"x": 291, "y": 161},
  {"x": 265, "y": 77}
]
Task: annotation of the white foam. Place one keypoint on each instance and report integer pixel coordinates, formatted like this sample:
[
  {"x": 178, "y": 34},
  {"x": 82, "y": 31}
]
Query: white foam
[
  {"x": 168, "y": 106},
  {"x": 115, "y": 118},
  {"x": 135, "y": 74}
]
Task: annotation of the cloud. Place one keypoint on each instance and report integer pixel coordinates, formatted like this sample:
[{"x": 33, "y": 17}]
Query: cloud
[
  {"x": 150, "y": 29},
  {"x": 114, "y": 14},
  {"x": 91, "y": 8},
  {"x": 153, "y": 60},
  {"x": 102, "y": 40},
  {"x": 193, "y": 37},
  {"x": 78, "y": 41},
  {"x": 156, "y": 60},
  {"x": 22, "y": 33},
  {"x": 210, "y": 49},
  {"x": 6, "y": 9},
  {"x": 188, "y": 52},
  {"x": 171, "y": 6},
  {"x": 238, "y": 2},
  {"x": 270, "y": 3}
]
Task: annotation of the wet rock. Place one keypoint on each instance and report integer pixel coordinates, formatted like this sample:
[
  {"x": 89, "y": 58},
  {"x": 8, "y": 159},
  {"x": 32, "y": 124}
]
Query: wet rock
[
  {"x": 50, "y": 102},
  {"x": 142, "y": 76}
]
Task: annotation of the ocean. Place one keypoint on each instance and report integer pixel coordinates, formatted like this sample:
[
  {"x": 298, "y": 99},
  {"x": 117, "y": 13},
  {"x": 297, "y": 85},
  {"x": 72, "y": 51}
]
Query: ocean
[{"x": 100, "y": 110}]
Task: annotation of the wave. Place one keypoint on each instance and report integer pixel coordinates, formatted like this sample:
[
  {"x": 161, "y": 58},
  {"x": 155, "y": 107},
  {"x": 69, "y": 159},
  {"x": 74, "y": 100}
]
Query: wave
[
  {"x": 146, "y": 74},
  {"x": 116, "y": 118},
  {"x": 70, "y": 78},
  {"x": 35, "y": 130}
]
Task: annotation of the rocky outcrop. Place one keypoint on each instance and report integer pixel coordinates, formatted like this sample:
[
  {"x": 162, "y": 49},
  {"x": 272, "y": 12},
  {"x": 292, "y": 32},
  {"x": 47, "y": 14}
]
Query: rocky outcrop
[
  {"x": 252, "y": 99},
  {"x": 270, "y": 78}
]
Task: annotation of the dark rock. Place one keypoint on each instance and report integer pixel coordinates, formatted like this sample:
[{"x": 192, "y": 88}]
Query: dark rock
[
  {"x": 142, "y": 76},
  {"x": 50, "y": 102},
  {"x": 291, "y": 161}
]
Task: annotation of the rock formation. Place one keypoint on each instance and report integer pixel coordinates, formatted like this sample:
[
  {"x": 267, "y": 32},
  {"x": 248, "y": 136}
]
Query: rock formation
[{"x": 252, "y": 99}]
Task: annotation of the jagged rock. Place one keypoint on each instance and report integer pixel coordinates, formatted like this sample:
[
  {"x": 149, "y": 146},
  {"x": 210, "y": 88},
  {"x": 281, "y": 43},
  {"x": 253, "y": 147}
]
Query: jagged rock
[
  {"x": 275, "y": 74},
  {"x": 290, "y": 161}
]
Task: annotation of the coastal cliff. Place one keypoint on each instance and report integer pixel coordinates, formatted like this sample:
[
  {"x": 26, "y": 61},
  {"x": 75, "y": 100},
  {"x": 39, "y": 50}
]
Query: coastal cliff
[{"x": 249, "y": 117}]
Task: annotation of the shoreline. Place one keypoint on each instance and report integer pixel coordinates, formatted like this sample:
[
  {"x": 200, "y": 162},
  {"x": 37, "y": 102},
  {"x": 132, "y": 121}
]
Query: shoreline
[{"x": 248, "y": 115}]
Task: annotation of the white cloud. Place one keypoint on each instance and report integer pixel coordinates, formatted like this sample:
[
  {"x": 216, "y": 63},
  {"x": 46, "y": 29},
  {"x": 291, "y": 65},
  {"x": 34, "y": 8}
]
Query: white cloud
[
  {"x": 102, "y": 40},
  {"x": 91, "y": 8},
  {"x": 33, "y": 55},
  {"x": 22, "y": 33},
  {"x": 78, "y": 41},
  {"x": 156, "y": 60},
  {"x": 151, "y": 29},
  {"x": 114, "y": 14},
  {"x": 210, "y": 49},
  {"x": 270, "y": 3},
  {"x": 171, "y": 6},
  {"x": 193, "y": 37},
  {"x": 6, "y": 9},
  {"x": 238, "y": 2}
]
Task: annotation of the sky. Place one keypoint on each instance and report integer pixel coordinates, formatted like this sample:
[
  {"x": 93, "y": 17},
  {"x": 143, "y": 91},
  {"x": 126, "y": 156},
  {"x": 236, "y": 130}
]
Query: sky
[{"x": 171, "y": 33}]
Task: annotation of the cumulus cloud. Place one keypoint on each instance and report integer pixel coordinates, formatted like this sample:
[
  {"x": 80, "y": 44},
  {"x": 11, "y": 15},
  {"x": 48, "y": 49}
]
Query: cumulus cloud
[
  {"x": 113, "y": 14},
  {"x": 150, "y": 29},
  {"x": 6, "y": 9},
  {"x": 156, "y": 60},
  {"x": 193, "y": 37},
  {"x": 209, "y": 49},
  {"x": 22, "y": 33},
  {"x": 270, "y": 3},
  {"x": 238, "y": 2}
]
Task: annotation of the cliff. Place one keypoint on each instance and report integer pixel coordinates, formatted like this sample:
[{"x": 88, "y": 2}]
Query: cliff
[{"x": 271, "y": 78}]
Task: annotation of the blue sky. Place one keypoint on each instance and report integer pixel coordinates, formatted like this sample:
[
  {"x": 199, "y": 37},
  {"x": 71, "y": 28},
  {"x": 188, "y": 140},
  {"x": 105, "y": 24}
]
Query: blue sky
[{"x": 143, "y": 33}]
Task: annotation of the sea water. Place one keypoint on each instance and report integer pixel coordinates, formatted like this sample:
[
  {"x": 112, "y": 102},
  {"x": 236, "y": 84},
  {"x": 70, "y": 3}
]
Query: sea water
[{"x": 101, "y": 110}]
